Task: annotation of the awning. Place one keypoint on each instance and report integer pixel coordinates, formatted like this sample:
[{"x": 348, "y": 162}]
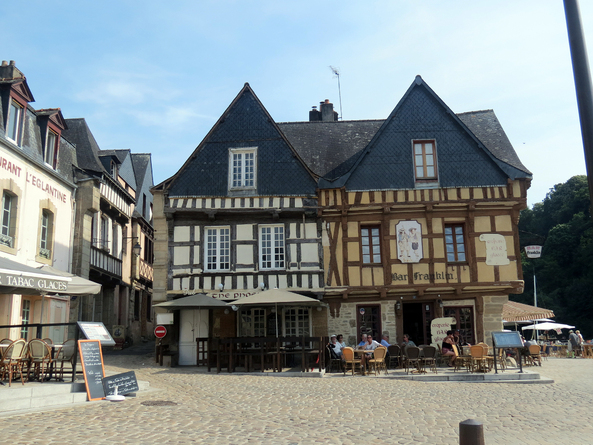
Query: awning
[
  {"x": 18, "y": 278},
  {"x": 548, "y": 326},
  {"x": 513, "y": 311},
  {"x": 77, "y": 285},
  {"x": 276, "y": 297},
  {"x": 195, "y": 301}
]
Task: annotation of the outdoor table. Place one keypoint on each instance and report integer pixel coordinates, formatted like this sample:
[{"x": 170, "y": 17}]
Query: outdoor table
[
  {"x": 360, "y": 353},
  {"x": 55, "y": 349}
]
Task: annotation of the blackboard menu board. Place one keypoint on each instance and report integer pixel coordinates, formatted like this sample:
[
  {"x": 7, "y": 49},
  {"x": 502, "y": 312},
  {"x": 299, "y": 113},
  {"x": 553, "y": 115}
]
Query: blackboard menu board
[
  {"x": 126, "y": 383},
  {"x": 91, "y": 358},
  {"x": 507, "y": 340}
]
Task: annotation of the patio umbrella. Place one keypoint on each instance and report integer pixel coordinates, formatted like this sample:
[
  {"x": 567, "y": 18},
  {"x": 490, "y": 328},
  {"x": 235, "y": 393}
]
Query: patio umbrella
[
  {"x": 195, "y": 301},
  {"x": 275, "y": 297},
  {"x": 548, "y": 326}
]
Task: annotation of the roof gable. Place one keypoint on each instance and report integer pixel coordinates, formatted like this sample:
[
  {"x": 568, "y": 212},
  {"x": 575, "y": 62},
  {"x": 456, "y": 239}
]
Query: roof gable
[
  {"x": 387, "y": 162},
  {"x": 244, "y": 124}
]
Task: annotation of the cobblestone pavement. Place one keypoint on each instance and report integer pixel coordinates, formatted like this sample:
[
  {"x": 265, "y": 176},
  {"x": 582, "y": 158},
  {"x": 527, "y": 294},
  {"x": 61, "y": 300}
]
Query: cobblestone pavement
[{"x": 233, "y": 409}]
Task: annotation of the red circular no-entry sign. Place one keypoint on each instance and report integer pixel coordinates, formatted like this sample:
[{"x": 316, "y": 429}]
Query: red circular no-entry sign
[{"x": 160, "y": 331}]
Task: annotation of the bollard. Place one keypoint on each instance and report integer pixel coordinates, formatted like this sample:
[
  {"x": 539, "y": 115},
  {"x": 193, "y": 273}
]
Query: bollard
[{"x": 471, "y": 432}]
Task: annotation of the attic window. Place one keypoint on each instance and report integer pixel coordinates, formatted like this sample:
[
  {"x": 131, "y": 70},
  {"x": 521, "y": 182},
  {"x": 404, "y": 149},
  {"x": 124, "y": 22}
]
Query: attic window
[
  {"x": 242, "y": 168},
  {"x": 15, "y": 122},
  {"x": 50, "y": 155},
  {"x": 425, "y": 160},
  {"x": 113, "y": 169}
]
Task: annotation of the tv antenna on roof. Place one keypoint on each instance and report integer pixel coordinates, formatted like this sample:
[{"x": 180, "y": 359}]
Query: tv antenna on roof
[{"x": 336, "y": 72}]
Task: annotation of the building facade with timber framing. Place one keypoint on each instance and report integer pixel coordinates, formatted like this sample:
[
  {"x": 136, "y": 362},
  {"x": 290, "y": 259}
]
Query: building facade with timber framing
[
  {"x": 392, "y": 222},
  {"x": 423, "y": 224}
]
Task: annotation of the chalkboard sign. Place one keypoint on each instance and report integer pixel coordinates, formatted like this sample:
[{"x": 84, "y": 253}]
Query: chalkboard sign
[
  {"x": 95, "y": 330},
  {"x": 126, "y": 383},
  {"x": 91, "y": 358},
  {"x": 507, "y": 340}
]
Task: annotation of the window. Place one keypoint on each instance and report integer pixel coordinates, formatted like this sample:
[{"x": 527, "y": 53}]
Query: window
[
  {"x": 115, "y": 242},
  {"x": 104, "y": 241},
  {"x": 454, "y": 243},
  {"x": 218, "y": 248},
  {"x": 15, "y": 122},
  {"x": 50, "y": 156},
  {"x": 253, "y": 323},
  {"x": 137, "y": 304},
  {"x": 25, "y": 317},
  {"x": 271, "y": 247},
  {"x": 371, "y": 245},
  {"x": 45, "y": 241},
  {"x": 296, "y": 321},
  {"x": 242, "y": 168},
  {"x": 425, "y": 159},
  {"x": 8, "y": 223},
  {"x": 464, "y": 317},
  {"x": 113, "y": 169}
]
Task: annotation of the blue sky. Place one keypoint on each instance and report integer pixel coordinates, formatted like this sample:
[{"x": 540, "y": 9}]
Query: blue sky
[{"x": 155, "y": 76}]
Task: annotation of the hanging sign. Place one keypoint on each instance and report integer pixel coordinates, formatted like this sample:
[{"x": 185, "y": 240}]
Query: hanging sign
[{"x": 533, "y": 251}]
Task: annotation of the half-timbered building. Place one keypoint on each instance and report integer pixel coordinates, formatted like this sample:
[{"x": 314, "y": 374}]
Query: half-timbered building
[
  {"x": 421, "y": 222},
  {"x": 239, "y": 216}
]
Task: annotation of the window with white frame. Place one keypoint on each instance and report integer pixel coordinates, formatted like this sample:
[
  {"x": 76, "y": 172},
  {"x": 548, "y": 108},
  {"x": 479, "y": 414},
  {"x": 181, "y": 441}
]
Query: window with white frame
[
  {"x": 16, "y": 113},
  {"x": 104, "y": 240},
  {"x": 242, "y": 168},
  {"x": 253, "y": 323},
  {"x": 296, "y": 322},
  {"x": 8, "y": 221},
  {"x": 425, "y": 160},
  {"x": 51, "y": 144},
  {"x": 25, "y": 317},
  {"x": 271, "y": 247},
  {"x": 45, "y": 239},
  {"x": 218, "y": 248}
]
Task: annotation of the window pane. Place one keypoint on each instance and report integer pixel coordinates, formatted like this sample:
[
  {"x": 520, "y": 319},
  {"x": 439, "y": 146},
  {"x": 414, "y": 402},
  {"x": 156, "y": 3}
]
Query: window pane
[
  {"x": 419, "y": 172},
  {"x": 429, "y": 160},
  {"x": 461, "y": 257},
  {"x": 429, "y": 171},
  {"x": 418, "y": 149},
  {"x": 428, "y": 147},
  {"x": 419, "y": 160}
]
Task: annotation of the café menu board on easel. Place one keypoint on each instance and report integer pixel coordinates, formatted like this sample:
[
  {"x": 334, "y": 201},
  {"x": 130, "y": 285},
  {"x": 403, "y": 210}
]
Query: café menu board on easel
[
  {"x": 91, "y": 358},
  {"x": 95, "y": 330}
]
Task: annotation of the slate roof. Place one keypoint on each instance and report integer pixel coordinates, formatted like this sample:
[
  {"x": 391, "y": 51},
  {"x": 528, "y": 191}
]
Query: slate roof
[
  {"x": 140, "y": 161},
  {"x": 87, "y": 149},
  {"x": 485, "y": 126},
  {"x": 326, "y": 147}
]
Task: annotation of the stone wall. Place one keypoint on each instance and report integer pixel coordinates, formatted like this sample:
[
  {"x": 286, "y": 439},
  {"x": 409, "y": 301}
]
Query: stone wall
[{"x": 493, "y": 315}]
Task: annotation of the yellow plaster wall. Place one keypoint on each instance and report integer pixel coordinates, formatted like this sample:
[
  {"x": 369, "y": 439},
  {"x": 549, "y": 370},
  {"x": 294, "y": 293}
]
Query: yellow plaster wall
[
  {"x": 485, "y": 272},
  {"x": 354, "y": 276},
  {"x": 482, "y": 224},
  {"x": 503, "y": 223}
]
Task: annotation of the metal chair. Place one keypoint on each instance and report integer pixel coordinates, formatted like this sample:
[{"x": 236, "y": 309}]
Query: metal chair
[
  {"x": 333, "y": 360},
  {"x": 66, "y": 355},
  {"x": 377, "y": 362},
  {"x": 39, "y": 358},
  {"x": 350, "y": 361},
  {"x": 12, "y": 360},
  {"x": 394, "y": 353},
  {"x": 412, "y": 359},
  {"x": 429, "y": 359}
]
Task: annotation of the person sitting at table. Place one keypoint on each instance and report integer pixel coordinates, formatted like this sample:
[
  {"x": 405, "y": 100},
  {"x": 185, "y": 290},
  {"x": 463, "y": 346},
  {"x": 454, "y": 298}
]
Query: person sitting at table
[
  {"x": 447, "y": 347},
  {"x": 337, "y": 347},
  {"x": 407, "y": 341},
  {"x": 341, "y": 341},
  {"x": 363, "y": 341},
  {"x": 385, "y": 341},
  {"x": 370, "y": 346}
]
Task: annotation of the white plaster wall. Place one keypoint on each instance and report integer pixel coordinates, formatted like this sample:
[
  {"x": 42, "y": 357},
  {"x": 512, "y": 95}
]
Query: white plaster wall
[
  {"x": 245, "y": 232},
  {"x": 181, "y": 255},
  {"x": 181, "y": 234}
]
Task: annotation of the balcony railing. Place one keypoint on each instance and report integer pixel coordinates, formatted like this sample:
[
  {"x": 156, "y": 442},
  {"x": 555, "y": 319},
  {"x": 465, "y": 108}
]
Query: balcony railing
[
  {"x": 146, "y": 270},
  {"x": 102, "y": 260}
]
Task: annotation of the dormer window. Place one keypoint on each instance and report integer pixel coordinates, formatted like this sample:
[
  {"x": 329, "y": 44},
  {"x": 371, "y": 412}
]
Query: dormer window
[
  {"x": 50, "y": 154},
  {"x": 425, "y": 160},
  {"x": 113, "y": 170},
  {"x": 14, "y": 126},
  {"x": 242, "y": 168}
]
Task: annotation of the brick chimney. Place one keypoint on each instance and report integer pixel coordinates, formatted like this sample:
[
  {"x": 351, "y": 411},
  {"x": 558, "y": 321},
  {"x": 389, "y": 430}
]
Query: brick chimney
[{"x": 326, "y": 112}]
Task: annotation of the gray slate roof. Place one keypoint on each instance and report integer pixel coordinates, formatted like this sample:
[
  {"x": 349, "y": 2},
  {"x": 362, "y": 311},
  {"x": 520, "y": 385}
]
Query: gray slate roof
[
  {"x": 140, "y": 161},
  {"x": 326, "y": 147},
  {"x": 87, "y": 149}
]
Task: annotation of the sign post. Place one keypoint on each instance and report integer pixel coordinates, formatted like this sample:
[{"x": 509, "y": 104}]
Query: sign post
[
  {"x": 534, "y": 252},
  {"x": 160, "y": 332}
]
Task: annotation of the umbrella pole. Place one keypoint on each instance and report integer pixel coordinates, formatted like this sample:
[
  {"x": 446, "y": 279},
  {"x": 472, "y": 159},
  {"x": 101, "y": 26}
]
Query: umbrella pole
[{"x": 276, "y": 320}]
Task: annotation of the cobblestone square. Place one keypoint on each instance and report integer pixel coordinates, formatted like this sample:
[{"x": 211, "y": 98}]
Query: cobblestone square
[{"x": 245, "y": 409}]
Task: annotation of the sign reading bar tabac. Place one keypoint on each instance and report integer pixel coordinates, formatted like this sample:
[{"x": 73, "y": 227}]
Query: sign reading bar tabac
[{"x": 94, "y": 330}]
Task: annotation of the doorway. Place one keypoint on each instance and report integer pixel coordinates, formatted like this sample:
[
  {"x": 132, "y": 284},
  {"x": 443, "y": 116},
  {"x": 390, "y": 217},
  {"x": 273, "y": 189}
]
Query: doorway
[
  {"x": 194, "y": 324},
  {"x": 368, "y": 321},
  {"x": 417, "y": 318}
]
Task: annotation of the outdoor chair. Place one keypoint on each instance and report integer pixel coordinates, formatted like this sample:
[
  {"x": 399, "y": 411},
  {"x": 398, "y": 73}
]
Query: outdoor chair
[
  {"x": 429, "y": 359},
  {"x": 12, "y": 360},
  {"x": 394, "y": 353},
  {"x": 502, "y": 359},
  {"x": 377, "y": 362},
  {"x": 66, "y": 355},
  {"x": 350, "y": 361},
  {"x": 39, "y": 358},
  {"x": 461, "y": 360},
  {"x": 333, "y": 361},
  {"x": 49, "y": 341},
  {"x": 534, "y": 355},
  {"x": 478, "y": 360},
  {"x": 412, "y": 359}
]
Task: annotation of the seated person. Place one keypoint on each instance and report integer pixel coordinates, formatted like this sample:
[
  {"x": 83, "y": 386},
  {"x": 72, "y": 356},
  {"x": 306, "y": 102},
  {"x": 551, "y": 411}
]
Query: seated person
[
  {"x": 341, "y": 341},
  {"x": 385, "y": 341},
  {"x": 337, "y": 347},
  {"x": 447, "y": 347},
  {"x": 407, "y": 341},
  {"x": 370, "y": 345},
  {"x": 363, "y": 341}
]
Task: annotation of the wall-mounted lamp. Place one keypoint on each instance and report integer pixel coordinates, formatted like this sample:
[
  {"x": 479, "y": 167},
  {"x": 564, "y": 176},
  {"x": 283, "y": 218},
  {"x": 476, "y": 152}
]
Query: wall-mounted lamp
[
  {"x": 221, "y": 287},
  {"x": 262, "y": 286},
  {"x": 235, "y": 308},
  {"x": 398, "y": 306},
  {"x": 440, "y": 302},
  {"x": 137, "y": 247}
]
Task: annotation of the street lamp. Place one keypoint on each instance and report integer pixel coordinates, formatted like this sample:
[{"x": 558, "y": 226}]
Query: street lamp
[
  {"x": 533, "y": 252},
  {"x": 137, "y": 247}
]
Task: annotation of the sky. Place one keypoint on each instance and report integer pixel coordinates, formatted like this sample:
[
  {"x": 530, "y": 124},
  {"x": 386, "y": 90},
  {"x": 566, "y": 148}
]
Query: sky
[{"x": 154, "y": 76}]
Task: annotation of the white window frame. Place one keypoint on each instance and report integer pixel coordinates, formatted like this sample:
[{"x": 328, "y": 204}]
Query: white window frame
[
  {"x": 14, "y": 124},
  {"x": 242, "y": 173},
  {"x": 424, "y": 162},
  {"x": 272, "y": 247},
  {"x": 217, "y": 248},
  {"x": 49, "y": 155},
  {"x": 46, "y": 235},
  {"x": 253, "y": 322},
  {"x": 7, "y": 228},
  {"x": 301, "y": 323}
]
